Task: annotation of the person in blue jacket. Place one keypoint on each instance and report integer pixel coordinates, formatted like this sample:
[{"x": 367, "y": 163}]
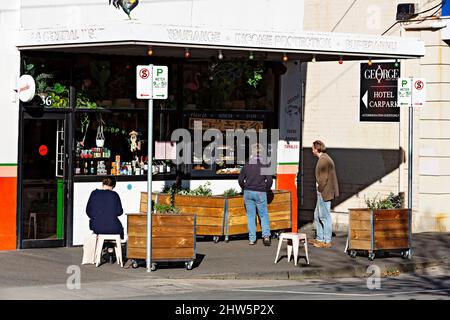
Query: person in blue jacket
[{"x": 104, "y": 208}]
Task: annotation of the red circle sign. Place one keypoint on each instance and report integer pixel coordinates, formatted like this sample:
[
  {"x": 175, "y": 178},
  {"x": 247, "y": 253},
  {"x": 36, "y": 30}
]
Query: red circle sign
[
  {"x": 43, "y": 150},
  {"x": 144, "y": 73},
  {"x": 418, "y": 85}
]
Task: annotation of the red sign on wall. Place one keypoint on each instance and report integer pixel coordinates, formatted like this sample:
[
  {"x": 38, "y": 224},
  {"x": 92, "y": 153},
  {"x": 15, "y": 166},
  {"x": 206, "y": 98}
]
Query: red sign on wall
[{"x": 43, "y": 150}]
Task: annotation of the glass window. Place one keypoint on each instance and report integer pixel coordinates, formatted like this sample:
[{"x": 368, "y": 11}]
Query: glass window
[
  {"x": 237, "y": 84},
  {"x": 52, "y": 78}
]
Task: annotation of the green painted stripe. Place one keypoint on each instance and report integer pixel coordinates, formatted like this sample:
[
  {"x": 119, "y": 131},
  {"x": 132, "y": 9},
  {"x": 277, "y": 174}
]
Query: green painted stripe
[
  {"x": 289, "y": 163},
  {"x": 8, "y": 164},
  {"x": 59, "y": 208}
]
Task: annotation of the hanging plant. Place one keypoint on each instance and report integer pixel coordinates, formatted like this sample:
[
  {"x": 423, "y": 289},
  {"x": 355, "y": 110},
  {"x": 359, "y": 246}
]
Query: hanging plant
[{"x": 100, "y": 138}]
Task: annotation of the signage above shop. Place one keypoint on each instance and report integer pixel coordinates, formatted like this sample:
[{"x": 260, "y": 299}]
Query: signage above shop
[
  {"x": 152, "y": 82},
  {"x": 412, "y": 92},
  {"x": 378, "y": 92},
  {"x": 323, "y": 42},
  {"x": 26, "y": 88}
]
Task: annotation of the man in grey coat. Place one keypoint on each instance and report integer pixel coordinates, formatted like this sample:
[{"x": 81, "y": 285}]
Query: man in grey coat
[{"x": 327, "y": 190}]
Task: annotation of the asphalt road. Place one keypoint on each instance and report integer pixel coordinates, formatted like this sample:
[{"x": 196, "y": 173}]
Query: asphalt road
[{"x": 433, "y": 283}]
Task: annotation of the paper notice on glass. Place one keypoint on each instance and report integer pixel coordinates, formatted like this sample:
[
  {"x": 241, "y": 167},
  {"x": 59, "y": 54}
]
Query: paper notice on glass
[
  {"x": 171, "y": 150},
  {"x": 160, "y": 150}
]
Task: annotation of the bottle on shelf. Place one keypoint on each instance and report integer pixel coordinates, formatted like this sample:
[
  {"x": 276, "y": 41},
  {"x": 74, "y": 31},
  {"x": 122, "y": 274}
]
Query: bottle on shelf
[
  {"x": 92, "y": 169},
  {"x": 86, "y": 169},
  {"x": 77, "y": 168}
]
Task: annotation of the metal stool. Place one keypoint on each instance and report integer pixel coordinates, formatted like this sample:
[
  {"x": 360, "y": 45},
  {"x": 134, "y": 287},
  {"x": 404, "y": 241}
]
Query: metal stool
[
  {"x": 101, "y": 238},
  {"x": 295, "y": 239}
]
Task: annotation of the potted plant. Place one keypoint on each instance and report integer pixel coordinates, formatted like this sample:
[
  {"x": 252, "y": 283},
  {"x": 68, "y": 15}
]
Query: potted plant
[{"x": 383, "y": 226}]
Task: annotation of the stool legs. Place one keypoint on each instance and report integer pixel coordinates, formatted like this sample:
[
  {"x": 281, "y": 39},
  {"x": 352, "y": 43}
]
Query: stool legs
[
  {"x": 280, "y": 241},
  {"x": 305, "y": 245},
  {"x": 118, "y": 249},
  {"x": 289, "y": 249},
  {"x": 98, "y": 251},
  {"x": 295, "y": 244}
]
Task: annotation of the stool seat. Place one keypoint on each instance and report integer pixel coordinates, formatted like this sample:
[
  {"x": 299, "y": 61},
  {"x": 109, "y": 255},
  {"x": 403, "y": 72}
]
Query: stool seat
[
  {"x": 101, "y": 238},
  {"x": 293, "y": 241}
]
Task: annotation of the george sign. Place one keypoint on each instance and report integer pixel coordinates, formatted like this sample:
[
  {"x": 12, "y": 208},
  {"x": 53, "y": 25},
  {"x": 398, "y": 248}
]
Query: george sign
[
  {"x": 160, "y": 82},
  {"x": 378, "y": 92},
  {"x": 411, "y": 92},
  {"x": 27, "y": 88},
  {"x": 143, "y": 82}
]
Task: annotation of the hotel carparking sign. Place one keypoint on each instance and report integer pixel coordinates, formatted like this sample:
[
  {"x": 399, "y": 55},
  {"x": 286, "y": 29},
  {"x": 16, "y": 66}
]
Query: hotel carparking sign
[{"x": 378, "y": 92}]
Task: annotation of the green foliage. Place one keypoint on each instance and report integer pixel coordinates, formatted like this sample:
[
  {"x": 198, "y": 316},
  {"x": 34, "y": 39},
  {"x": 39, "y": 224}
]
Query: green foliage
[
  {"x": 230, "y": 192},
  {"x": 390, "y": 202},
  {"x": 202, "y": 190},
  {"x": 165, "y": 209},
  {"x": 29, "y": 68},
  {"x": 41, "y": 82},
  {"x": 84, "y": 102},
  {"x": 255, "y": 78}
]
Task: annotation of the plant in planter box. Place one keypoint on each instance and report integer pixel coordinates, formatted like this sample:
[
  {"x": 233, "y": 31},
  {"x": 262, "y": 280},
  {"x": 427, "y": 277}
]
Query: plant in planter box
[
  {"x": 390, "y": 202},
  {"x": 165, "y": 209},
  {"x": 383, "y": 226},
  {"x": 231, "y": 192}
]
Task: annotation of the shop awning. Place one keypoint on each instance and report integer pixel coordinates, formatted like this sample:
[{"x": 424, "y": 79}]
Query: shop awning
[{"x": 134, "y": 38}]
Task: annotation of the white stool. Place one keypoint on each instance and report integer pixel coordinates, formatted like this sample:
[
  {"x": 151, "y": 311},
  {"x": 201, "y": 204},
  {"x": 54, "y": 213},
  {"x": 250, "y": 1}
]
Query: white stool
[
  {"x": 33, "y": 217},
  {"x": 295, "y": 238},
  {"x": 101, "y": 238}
]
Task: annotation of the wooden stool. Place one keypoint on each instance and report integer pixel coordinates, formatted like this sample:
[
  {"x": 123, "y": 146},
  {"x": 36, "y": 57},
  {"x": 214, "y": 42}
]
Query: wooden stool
[
  {"x": 101, "y": 238},
  {"x": 295, "y": 239}
]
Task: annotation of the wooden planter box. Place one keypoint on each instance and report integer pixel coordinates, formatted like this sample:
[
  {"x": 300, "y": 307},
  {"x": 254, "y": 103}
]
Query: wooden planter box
[
  {"x": 279, "y": 207},
  {"x": 384, "y": 229},
  {"x": 209, "y": 211},
  {"x": 173, "y": 238},
  {"x": 221, "y": 216}
]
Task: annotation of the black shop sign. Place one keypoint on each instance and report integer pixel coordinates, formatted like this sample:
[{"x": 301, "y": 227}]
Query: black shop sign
[{"x": 378, "y": 92}]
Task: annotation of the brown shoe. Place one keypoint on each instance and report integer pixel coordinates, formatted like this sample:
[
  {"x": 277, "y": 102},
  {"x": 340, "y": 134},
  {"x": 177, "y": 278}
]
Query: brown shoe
[
  {"x": 312, "y": 241},
  {"x": 325, "y": 245}
]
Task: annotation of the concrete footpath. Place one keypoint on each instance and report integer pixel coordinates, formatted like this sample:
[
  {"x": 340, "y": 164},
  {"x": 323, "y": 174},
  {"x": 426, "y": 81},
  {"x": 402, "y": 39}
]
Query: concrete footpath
[{"x": 232, "y": 260}]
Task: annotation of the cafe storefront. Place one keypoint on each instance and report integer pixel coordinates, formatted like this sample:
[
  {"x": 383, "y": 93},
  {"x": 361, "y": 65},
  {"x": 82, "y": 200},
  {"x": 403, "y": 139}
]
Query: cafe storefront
[{"x": 85, "y": 122}]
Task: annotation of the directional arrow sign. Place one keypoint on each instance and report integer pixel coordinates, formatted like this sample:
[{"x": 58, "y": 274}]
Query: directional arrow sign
[{"x": 364, "y": 99}]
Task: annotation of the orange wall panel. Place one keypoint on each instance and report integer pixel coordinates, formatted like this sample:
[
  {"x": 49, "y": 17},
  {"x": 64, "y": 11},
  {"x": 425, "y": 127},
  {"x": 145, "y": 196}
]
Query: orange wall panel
[
  {"x": 8, "y": 207},
  {"x": 288, "y": 182}
]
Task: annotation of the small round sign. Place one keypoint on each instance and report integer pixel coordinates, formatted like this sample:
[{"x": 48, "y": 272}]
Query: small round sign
[
  {"x": 43, "y": 150},
  {"x": 27, "y": 88},
  {"x": 418, "y": 85},
  {"x": 144, "y": 73}
]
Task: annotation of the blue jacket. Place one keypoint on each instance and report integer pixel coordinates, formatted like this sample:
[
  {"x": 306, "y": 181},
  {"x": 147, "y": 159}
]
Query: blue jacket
[{"x": 104, "y": 208}]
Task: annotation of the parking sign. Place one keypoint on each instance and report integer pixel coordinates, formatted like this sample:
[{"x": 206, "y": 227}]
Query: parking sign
[{"x": 143, "y": 82}]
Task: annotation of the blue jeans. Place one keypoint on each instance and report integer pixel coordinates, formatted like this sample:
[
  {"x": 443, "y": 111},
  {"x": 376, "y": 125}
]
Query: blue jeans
[
  {"x": 253, "y": 200},
  {"x": 322, "y": 218}
]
